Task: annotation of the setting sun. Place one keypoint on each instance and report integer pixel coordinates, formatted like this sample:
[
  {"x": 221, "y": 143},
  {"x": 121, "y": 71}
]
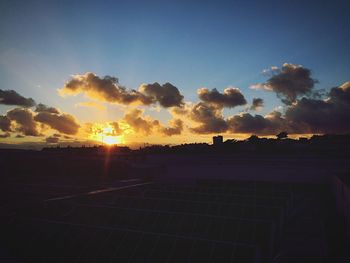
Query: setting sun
[{"x": 106, "y": 134}]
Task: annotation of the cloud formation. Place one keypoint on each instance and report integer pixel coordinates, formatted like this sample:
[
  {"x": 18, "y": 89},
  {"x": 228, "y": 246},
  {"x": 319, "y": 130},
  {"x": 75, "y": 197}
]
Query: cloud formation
[
  {"x": 24, "y": 120},
  {"x": 166, "y": 95},
  {"x": 117, "y": 129},
  {"x": 43, "y": 108},
  {"x": 306, "y": 115},
  {"x": 63, "y": 123},
  {"x": 290, "y": 82},
  {"x": 175, "y": 128},
  {"x": 209, "y": 117},
  {"x": 246, "y": 123},
  {"x": 11, "y": 97},
  {"x": 105, "y": 89},
  {"x": 331, "y": 115},
  {"x": 302, "y": 113},
  {"x": 146, "y": 125},
  {"x": 231, "y": 97},
  {"x": 257, "y": 104},
  {"x": 108, "y": 89},
  {"x": 139, "y": 123}
]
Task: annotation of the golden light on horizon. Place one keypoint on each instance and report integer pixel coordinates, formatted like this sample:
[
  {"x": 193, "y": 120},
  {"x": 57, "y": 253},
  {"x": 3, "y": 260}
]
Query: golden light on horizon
[{"x": 106, "y": 134}]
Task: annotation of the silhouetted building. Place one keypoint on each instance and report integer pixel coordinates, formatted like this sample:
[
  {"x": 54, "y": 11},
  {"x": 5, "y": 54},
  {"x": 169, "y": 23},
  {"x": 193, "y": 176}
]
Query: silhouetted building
[{"x": 217, "y": 140}]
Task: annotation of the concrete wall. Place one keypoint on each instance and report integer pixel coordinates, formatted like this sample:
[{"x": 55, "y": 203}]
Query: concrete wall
[{"x": 342, "y": 197}]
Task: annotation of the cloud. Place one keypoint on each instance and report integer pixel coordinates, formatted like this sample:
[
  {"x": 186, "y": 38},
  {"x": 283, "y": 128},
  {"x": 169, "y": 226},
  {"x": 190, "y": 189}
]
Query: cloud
[
  {"x": 175, "y": 128},
  {"x": 5, "y": 124},
  {"x": 331, "y": 115},
  {"x": 166, "y": 95},
  {"x": 209, "y": 117},
  {"x": 257, "y": 104},
  {"x": 340, "y": 95},
  {"x": 138, "y": 123},
  {"x": 117, "y": 128},
  {"x": 306, "y": 111},
  {"x": 105, "y": 89},
  {"x": 24, "y": 119},
  {"x": 11, "y": 97},
  {"x": 108, "y": 89},
  {"x": 52, "y": 139},
  {"x": 289, "y": 82},
  {"x": 43, "y": 108},
  {"x": 183, "y": 111},
  {"x": 63, "y": 123},
  {"x": 270, "y": 71},
  {"x": 231, "y": 97},
  {"x": 211, "y": 120},
  {"x": 305, "y": 115},
  {"x": 260, "y": 125},
  {"x": 146, "y": 125}
]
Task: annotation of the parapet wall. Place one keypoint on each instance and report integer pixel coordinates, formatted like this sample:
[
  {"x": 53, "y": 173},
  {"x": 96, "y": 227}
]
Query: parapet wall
[{"x": 341, "y": 190}]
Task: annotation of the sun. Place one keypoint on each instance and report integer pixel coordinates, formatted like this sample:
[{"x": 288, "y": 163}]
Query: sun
[
  {"x": 111, "y": 140},
  {"x": 106, "y": 134}
]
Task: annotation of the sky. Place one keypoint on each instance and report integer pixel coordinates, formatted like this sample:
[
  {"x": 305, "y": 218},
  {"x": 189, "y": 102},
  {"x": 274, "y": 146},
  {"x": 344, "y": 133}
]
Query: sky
[{"x": 286, "y": 53}]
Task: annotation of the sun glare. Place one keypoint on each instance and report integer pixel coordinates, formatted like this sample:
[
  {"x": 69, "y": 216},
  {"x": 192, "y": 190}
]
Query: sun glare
[{"x": 106, "y": 134}]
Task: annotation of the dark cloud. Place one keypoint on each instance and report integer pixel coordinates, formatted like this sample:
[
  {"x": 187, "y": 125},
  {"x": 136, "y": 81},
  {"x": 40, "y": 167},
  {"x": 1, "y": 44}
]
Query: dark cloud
[
  {"x": 11, "y": 97},
  {"x": 257, "y": 104},
  {"x": 306, "y": 115},
  {"x": 209, "y": 117},
  {"x": 175, "y": 128},
  {"x": 231, "y": 97},
  {"x": 108, "y": 89},
  {"x": 52, "y": 139},
  {"x": 24, "y": 119},
  {"x": 306, "y": 110},
  {"x": 331, "y": 115},
  {"x": 43, "y": 108},
  {"x": 260, "y": 125},
  {"x": 289, "y": 82},
  {"x": 166, "y": 95},
  {"x": 211, "y": 120},
  {"x": 5, "y": 124},
  {"x": 30, "y": 123},
  {"x": 138, "y": 123},
  {"x": 63, "y": 123},
  {"x": 340, "y": 95}
]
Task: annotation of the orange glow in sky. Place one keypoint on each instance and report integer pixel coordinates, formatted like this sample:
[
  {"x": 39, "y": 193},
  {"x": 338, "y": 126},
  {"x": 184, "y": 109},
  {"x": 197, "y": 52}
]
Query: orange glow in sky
[{"x": 106, "y": 134}]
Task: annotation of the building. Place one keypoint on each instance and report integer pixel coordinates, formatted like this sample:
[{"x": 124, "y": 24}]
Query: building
[{"x": 217, "y": 140}]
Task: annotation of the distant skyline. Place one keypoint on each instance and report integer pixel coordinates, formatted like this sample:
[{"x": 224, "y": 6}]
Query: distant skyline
[{"x": 180, "y": 71}]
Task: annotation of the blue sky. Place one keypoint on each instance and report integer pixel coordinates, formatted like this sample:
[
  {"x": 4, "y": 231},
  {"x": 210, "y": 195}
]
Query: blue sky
[{"x": 191, "y": 44}]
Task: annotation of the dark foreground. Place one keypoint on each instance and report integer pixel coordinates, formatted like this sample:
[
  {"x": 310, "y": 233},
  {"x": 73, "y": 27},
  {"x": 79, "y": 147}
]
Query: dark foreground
[{"x": 141, "y": 218}]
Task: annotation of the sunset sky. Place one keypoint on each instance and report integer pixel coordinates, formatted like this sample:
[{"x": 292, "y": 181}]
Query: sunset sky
[{"x": 170, "y": 72}]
